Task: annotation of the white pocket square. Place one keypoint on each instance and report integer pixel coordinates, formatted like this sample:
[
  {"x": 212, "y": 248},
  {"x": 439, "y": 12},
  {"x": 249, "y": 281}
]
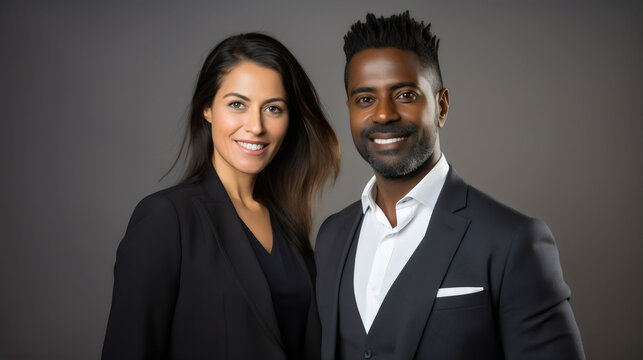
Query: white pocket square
[{"x": 455, "y": 291}]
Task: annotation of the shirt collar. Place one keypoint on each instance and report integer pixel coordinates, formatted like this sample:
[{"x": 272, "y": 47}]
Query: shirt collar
[{"x": 426, "y": 191}]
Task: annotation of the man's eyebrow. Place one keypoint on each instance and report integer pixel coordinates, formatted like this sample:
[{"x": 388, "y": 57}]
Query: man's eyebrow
[
  {"x": 404, "y": 84},
  {"x": 237, "y": 95},
  {"x": 393, "y": 87},
  {"x": 362, "y": 89}
]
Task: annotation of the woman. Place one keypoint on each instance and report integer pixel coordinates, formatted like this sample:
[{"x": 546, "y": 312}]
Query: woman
[{"x": 220, "y": 266}]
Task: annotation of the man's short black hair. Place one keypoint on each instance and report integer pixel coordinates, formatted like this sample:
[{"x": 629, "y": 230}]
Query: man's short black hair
[{"x": 398, "y": 31}]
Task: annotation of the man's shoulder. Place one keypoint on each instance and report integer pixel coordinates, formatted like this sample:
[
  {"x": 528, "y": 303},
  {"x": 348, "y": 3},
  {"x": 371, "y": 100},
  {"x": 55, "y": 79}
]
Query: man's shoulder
[
  {"x": 336, "y": 227},
  {"x": 466, "y": 199},
  {"x": 492, "y": 215},
  {"x": 497, "y": 227},
  {"x": 482, "y": 202},
  {"x": 348, "y": 213}
]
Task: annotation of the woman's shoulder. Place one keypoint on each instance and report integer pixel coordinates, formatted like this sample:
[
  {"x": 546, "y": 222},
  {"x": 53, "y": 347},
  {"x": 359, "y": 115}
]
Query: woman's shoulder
[
  {"x": 180, "y": 193},
  {"x": 169, "y": 201}
]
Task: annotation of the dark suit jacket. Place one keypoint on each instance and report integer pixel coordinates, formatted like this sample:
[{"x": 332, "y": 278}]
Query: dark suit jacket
[
  {"x": 472, "y": 241},
  {"x": 187, "y": 284}
]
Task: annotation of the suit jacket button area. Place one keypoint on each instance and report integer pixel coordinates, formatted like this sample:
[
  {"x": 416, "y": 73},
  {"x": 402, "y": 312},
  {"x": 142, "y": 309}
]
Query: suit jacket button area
[{"x": 368, "y": 354}]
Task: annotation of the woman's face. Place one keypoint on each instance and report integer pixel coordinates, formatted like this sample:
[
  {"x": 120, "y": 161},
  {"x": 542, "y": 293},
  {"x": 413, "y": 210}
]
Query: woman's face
[{"x": 249, "y": 118}]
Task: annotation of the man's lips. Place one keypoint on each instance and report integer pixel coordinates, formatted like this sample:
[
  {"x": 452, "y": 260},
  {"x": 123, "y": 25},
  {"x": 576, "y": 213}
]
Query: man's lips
[
  {"x": 387, "y": 138},
  {"x": 388, "y": 141}
]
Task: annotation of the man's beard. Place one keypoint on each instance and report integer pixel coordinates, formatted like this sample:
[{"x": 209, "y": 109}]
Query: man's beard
[{"x": 421, "y": 150}]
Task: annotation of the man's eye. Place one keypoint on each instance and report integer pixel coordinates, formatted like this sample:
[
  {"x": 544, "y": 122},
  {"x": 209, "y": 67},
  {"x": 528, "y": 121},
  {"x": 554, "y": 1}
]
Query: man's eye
[
  {"x": 236, "y": 105},
  {"x": 364, "y": 100},
  {"x": 407, "y": 96},
  {"x": 274, "y": 109}
]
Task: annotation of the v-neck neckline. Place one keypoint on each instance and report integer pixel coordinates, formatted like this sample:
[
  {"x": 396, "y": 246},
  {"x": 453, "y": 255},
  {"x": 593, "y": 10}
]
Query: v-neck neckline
[{"x": 255, "y": 241}]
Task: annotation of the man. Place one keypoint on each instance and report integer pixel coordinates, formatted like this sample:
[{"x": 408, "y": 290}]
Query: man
[{"x": 426, "y": 266}]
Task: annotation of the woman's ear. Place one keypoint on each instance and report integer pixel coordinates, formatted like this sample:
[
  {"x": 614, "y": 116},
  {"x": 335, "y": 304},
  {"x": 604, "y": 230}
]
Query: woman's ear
[{"x": 207, "y": 114}]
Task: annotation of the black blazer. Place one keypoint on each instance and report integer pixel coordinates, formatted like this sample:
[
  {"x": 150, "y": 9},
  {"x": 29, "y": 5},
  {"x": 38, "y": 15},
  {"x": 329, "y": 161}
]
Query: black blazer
[
  {"x": 187, "y": 284},
  {"x": 472, "y": 241}
]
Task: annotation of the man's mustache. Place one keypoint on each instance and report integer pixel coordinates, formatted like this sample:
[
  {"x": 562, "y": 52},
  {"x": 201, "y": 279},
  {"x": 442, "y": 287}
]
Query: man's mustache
[{"x": 380, "y": 128}]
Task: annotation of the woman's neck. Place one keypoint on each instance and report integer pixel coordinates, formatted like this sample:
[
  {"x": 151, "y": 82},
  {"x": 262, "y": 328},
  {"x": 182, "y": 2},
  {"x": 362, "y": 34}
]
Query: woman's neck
[{"x": 238, "y": 185}]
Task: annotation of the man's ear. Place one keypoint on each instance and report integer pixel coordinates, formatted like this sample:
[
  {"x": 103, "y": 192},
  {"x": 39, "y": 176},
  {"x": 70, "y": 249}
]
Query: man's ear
[{"x": 443, "y": 106}]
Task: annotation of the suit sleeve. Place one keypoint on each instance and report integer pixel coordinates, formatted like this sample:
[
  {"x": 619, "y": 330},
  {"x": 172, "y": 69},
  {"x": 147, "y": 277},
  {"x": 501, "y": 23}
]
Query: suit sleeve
[
  {"x": 146, "y": 278},
  {"x": 536, "y": 320}
]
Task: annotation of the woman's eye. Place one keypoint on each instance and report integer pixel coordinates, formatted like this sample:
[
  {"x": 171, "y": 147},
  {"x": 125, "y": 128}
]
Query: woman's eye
[
  {"x": 273, "y": 109},
  {"x": 236, "y": 105},
  {"x": 407, "y": 96}
]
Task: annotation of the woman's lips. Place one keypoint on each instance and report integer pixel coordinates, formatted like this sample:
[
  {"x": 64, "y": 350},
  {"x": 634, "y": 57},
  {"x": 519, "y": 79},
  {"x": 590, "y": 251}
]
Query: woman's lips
[
  {"x": 252, "y": 148},
  {"x": 250, "y": 145}
]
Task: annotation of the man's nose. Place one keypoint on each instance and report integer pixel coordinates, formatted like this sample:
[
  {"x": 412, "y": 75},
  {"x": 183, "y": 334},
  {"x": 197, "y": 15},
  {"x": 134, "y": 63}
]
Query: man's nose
[{"x": 385, "y": 112}]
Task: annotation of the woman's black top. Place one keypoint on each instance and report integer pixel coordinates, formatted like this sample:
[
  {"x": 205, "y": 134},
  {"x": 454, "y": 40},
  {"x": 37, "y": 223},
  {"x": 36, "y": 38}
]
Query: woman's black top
[{"x": 288, "y": 286}]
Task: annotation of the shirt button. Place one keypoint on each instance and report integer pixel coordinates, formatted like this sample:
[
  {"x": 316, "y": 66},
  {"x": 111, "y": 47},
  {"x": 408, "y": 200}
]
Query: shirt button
[{"x": 368, "y": 354}]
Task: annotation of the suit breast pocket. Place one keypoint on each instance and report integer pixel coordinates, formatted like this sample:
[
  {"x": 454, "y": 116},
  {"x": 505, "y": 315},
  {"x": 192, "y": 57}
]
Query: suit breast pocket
[
  {"x": 461, "y": 301},
  {"x": 461, "y": 327}
]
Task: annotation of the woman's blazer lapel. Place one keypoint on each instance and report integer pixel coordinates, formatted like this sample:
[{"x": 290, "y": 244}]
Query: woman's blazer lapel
[{"x": 228, "y": 233}]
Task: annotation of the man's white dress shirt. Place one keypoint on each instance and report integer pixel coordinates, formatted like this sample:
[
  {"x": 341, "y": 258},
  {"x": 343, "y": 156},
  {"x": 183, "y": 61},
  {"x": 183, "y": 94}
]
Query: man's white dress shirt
[{"x": 382, "y": 250}]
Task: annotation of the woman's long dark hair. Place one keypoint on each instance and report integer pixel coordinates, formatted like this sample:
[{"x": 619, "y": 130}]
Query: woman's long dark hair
[{"x": 308, "y": 154}]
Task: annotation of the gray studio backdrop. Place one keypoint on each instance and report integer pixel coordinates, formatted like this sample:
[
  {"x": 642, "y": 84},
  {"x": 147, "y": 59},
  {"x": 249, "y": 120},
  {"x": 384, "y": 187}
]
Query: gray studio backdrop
[{"x": 545, "y": 116}]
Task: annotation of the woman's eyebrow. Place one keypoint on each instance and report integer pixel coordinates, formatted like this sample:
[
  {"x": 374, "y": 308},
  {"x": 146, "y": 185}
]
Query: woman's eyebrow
[{"x": 237, "y": 95}]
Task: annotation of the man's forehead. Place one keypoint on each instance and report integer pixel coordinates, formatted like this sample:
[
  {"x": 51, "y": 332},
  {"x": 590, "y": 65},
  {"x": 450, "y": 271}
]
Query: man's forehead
[
  {"x": 385, "y": 67},
  {"x": 387, "y": 57}
]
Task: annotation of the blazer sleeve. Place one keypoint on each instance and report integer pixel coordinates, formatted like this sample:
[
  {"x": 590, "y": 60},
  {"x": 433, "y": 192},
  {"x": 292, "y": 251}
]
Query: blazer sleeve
[
  {"x": 536, "y": 320},
  {"x": 146, "y": 279}
]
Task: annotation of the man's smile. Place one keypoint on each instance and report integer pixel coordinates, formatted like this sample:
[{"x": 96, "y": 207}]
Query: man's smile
[{"x": 388, "y": 141}]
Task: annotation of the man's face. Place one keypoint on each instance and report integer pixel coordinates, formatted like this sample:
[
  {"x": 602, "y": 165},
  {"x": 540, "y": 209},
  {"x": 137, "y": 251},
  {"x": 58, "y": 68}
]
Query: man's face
[{"x": 394, "y": 115}]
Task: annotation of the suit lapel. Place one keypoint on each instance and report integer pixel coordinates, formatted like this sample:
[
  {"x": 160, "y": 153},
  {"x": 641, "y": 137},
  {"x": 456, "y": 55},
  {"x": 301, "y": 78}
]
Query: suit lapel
[
  {"x": 411, "y": 297},
  {"x": 353, "y": 222},
  {"x": 228, "y": 232}
]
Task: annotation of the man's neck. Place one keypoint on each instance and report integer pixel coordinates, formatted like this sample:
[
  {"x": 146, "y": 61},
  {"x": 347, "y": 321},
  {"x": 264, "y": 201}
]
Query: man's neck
[{"x": 391, "y": 190}]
